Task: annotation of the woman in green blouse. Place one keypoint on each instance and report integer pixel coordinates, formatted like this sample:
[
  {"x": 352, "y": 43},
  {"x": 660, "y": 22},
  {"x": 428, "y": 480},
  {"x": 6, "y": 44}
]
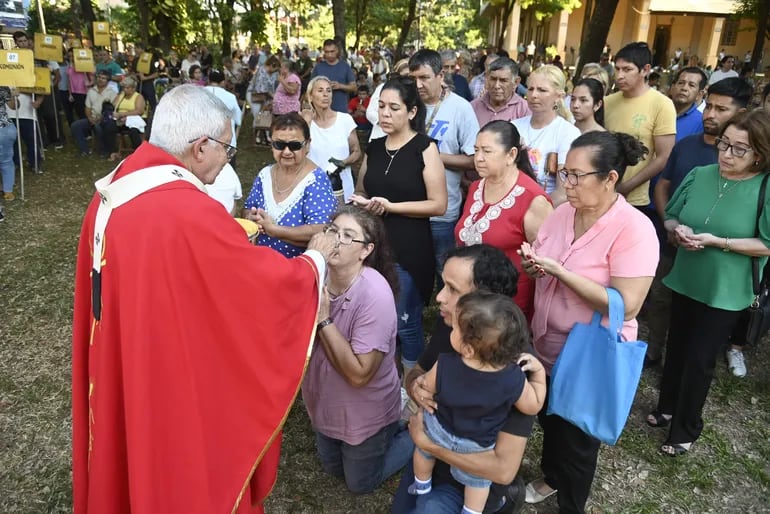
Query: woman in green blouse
[{"x": 712, "y": 219}]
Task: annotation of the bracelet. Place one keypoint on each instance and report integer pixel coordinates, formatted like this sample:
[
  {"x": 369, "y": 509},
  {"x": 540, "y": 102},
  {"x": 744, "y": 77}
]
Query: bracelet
[
  {"x": 727, "y": 245},
  {"x": 324, "y": 323}
]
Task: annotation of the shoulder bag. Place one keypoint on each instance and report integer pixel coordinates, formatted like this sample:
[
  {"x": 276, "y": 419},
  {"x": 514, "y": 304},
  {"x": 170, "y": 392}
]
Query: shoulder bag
[
  {"x": 594, "y": 379},
  {"x": 759, "y": 311}
]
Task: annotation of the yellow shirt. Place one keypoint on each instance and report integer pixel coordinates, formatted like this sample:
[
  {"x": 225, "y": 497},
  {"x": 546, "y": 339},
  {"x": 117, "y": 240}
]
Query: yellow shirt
[{"x": 644, "y": 117}]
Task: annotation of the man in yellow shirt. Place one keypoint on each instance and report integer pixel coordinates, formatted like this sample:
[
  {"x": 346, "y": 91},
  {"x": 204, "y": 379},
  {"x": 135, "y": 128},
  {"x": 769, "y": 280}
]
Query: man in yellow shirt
[{"x": 644, "y": 113}]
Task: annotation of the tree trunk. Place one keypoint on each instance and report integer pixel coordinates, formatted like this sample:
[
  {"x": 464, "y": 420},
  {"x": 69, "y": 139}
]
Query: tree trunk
[
  {"x": 360, "y": 17},
  {"x": 162, "y": 40},
  {"x": 763, "y": 14},
  {"x": 225, "y": 11},
  {"x": 87, "y": 16},
  {"x": 144, "y": 20},
  {"x": 338, "y": 11},
  {"x": 598, "y": 28},
  {"x": 411, "y": 14},
  {"x": 507, "y": 10},
  {"x": 586, "y": 18}
]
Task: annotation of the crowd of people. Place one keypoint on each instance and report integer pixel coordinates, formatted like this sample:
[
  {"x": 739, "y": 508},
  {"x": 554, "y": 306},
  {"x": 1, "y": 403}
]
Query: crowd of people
[{"x": 513, "y": 192}]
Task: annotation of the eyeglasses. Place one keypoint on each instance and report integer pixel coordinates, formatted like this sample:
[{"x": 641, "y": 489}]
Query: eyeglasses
[
  {"x": 573, "y": 178},
  {"x": 230, "y": 150},
  {"x": 294, "y": 146},
  {"x": 737, "y": 151},
  {"x": 343, "y": 237}
]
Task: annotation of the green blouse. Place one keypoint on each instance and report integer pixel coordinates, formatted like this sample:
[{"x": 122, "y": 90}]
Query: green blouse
[{"x": 712, "y": 276}]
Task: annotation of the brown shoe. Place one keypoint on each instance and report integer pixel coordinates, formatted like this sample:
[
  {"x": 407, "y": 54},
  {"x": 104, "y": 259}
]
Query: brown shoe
[{"x": 9, "y": 196}]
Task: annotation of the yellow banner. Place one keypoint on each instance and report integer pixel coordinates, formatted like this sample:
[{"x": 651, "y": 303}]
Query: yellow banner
[
  {"x": 145, "y": 60},
  {"x": 17, "y": 68},
  {"x": 83, "y": 60},
  {"x": 101, "y": 33},
  {"x": 42, "y": 82},
  {"x": 48, "y": 47}
]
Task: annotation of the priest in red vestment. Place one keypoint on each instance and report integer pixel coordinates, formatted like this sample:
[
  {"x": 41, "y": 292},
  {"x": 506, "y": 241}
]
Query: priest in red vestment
[{"x": 189, "y": 343}]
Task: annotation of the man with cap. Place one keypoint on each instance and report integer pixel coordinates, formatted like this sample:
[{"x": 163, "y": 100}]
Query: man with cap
[{"x": 99, "y": 93}]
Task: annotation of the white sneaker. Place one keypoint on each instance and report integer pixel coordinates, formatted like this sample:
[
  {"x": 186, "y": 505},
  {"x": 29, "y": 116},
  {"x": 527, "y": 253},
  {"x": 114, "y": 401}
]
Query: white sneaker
[{"x": 736, "y": 363}]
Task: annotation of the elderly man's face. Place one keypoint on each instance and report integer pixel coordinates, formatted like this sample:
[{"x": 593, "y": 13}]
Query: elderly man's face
[
  {"x": 212, "y": 157},
  {"x": 500, "y": 84},
  {"x": 458, "y": 280}
]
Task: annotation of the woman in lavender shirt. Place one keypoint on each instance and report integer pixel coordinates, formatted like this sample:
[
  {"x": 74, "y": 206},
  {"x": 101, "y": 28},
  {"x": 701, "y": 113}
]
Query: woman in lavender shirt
[{"x": 352, "y": 391}]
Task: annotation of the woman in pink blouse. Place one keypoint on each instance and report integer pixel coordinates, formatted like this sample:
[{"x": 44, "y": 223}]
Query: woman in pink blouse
[
  {"x": 594, "y": 241},
  {"x": 287, "y": 93},
  {"x": 79, "y": 82}
]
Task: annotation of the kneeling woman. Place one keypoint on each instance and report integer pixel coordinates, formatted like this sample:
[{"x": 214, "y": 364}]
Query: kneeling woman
[{"x": 352, "y": 391}]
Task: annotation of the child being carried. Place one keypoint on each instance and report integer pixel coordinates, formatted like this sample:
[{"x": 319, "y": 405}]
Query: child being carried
[{"x": 477, "y": 387}]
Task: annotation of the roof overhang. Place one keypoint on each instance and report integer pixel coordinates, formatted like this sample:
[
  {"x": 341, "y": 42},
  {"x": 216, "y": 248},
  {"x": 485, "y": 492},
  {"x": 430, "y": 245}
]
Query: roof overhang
[{"x": 694, "y": 7}]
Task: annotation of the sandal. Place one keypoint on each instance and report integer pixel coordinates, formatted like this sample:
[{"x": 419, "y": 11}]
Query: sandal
[
  {"x": 657, "y": 419},
  {"x": 675, "y": 449}
]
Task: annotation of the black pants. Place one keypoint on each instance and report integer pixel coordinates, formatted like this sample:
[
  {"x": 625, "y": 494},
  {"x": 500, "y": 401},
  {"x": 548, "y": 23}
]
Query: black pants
[
  {"x": 569, "y": 459},
  {"x": 48, "y": 117},
  {"x": 696, "y": 334}
]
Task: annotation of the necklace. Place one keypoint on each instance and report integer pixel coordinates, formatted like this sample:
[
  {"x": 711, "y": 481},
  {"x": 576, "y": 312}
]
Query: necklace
[
  {"x": 392, "y": 156},
  {"x": 342, "y": 293},
  {"x": 722, "y": 190},
  {"x": 293, "y": 183},
  {"x": 435, "y": 110}
]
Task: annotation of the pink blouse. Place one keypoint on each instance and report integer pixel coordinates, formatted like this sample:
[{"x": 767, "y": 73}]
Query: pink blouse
[
  {"x": 283, "y": 102},
  {"x": 78, "y": 81},
  {"x": 622, "y": 243}
]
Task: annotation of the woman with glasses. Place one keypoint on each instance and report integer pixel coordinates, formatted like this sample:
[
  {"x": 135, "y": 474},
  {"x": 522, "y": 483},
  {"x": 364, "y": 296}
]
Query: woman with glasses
[
  {"x": 292, "y": 199},
  {"x": 335, "y": 142},
  {"x": 593, "y": 241},
  {"x": 713, "y": 219},
  {"x": 127, "y": 118},
  {"x": 402, "y": 179},
  {"x": 351, "y": 389}
]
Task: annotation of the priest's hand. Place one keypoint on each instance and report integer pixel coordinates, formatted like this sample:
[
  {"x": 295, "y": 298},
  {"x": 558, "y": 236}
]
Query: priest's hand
[{"x": 325, "y": 244}]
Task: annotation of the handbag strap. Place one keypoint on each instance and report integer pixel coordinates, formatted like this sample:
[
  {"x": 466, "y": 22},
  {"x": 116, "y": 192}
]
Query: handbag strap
[
  {"x": 616, "y": 311},
  {"x": 755, "y": 279}
]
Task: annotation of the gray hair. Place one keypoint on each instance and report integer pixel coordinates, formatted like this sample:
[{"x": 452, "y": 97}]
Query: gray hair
[
  {"x": 447, "y": 55},
  {"x": 185, "y": 113},
  {"x": 503, "y": 63},
  {"x": 128, "y": 81}
]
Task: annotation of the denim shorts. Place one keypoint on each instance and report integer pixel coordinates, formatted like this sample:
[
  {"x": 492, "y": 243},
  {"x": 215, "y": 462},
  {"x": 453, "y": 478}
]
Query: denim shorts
[{"x": 441, "y": 437}]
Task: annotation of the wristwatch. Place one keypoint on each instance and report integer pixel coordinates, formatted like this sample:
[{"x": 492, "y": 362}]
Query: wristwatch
[{"x": 324, "y": 323}]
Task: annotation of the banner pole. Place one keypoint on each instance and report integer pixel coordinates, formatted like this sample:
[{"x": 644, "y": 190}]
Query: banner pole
[
  {"x": 18, "y": 142},
  {"x": 40, "y": 14}
]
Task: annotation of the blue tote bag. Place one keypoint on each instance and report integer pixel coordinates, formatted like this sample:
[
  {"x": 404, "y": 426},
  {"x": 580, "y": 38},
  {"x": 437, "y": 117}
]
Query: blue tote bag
[{"x": 595, "y": 377}]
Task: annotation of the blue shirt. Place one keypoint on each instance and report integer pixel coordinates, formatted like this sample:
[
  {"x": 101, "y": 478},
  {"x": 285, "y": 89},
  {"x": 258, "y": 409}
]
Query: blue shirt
[
  {"x": 311, "y": 202},
  {"x": 687, "y": 154},
  {"x": 462, "y": 88},
  {"x": 340, "y": 72},
  {"x": 689, "y": 122}
]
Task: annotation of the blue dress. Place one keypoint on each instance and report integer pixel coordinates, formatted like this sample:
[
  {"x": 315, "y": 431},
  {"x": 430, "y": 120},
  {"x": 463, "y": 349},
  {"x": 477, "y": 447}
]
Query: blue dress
[{"x": 310, "y": 203}]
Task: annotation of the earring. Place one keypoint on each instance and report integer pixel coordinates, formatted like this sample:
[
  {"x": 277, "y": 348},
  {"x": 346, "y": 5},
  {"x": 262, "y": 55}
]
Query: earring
[{"x": 555, "y": 107}]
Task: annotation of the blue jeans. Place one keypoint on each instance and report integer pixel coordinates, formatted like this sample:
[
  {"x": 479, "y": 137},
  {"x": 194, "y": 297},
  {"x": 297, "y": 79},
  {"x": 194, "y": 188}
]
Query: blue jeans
[
  {"x": 443, "y": 241},
  {"x": 409, "y": 310},
  {"x": 439, "y": 435},
  {"x": 443, "y": 498},
  {"x": 80, "y": 131},
  {"x": 365, "y": 466},
  {"x": 7, "y": 144}
]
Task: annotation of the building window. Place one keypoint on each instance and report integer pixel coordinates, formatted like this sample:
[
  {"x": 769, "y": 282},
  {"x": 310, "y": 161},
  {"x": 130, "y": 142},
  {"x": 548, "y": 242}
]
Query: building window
[{"x": 730, "y": 32}]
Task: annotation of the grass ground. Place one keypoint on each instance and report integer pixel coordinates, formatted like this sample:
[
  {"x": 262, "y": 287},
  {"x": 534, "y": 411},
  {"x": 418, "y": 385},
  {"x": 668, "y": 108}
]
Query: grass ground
[{"x": 728, "y": 470}]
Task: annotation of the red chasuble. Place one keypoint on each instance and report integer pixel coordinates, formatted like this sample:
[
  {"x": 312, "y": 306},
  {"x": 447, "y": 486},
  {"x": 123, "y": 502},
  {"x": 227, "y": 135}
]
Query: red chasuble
[{"x": 181, "y": 387}]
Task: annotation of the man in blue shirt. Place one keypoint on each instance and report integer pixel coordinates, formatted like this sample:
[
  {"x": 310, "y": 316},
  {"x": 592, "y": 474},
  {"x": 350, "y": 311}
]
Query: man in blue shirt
[
  {"x": 688, "y": 84},
  {"x": 458, "y": 82},
  {"x": 340, "y": 74},
  {"x": 725, "y": 99}
]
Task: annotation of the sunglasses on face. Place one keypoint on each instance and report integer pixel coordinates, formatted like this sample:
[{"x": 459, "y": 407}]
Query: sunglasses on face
[{"x": 293, "y": 146}]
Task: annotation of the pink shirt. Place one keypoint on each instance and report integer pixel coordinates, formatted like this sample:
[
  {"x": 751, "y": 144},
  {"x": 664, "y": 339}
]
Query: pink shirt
[
  {"x": 283, "y": 102},
  {"x": 515, "y": 108},
  {"x": 366, "y": 316},
  {"x": 78, "y": 81},
  {"x": 622, "y": 243}
]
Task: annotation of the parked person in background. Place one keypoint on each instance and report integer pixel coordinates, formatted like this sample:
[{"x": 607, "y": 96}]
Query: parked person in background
[
  {"x": 401, "y": 68},
  {"x": 689, "y": 84},
  {"x": 147, "y": 80},
  {"x": 126, "y": 119},
  {"x": 8, "y": 98},
  {"x": 478, "y": 82},
  {"x": 587, "y": 105},
  {"x": 287, "y": 93},
  {"x": 593, "y": 70},
  {"x": 339, "y": 73},
  {"x": 106, "y": 63},
  {"x": 260, "y": 94},
  {"x": 357, "y": 108},
  {"x": 94, "y": 120},
  {"x": 500, "y": 101},
  {"x": 725, "y": 70},
  {"x": 457, "y": 82}
]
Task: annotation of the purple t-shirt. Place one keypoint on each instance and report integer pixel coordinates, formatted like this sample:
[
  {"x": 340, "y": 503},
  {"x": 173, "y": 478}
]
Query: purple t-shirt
[{"x": 365, "y": 316}]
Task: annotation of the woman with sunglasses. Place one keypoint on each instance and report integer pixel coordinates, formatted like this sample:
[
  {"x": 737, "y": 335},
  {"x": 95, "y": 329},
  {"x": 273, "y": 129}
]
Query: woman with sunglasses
[
  {"x": 593, "y": 241},
  {"x": 402, "y": 178},
  {"x": 335, "y": 141},
  {"x": 713, "y": 219},
  {"x": 292, "y": 199},
  {"x": 351, "y": 390}
]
